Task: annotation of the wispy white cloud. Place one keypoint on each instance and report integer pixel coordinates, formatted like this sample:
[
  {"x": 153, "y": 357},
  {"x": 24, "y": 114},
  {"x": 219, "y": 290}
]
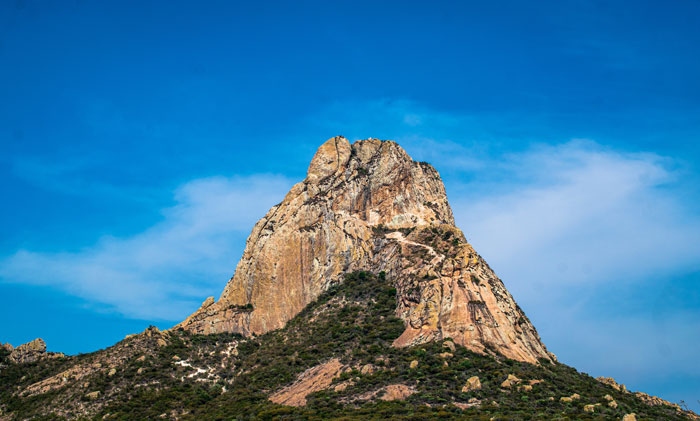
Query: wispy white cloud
[
  {"x": 578, "y": 213},
  {"x": 163, "y": 272}
]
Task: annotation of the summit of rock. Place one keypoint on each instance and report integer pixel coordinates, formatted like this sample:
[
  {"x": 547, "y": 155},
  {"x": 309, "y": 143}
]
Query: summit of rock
[
  {"x": 370, "y": 206},
  {"x": 29, "y": 352}
]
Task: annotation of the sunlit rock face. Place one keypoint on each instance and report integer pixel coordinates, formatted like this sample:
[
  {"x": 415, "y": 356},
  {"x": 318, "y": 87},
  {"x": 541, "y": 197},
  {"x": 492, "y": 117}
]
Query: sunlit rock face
[{"x": 369, "y": 206}]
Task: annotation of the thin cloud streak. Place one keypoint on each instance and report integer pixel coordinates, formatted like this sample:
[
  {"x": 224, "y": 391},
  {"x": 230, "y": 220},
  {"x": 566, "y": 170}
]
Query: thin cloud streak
[
  {"x": 577, "y": 213},
  {"x": 162, "y": 272}
]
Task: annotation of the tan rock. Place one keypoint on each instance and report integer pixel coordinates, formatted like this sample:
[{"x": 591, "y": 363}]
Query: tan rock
[
  {"x": 525, "y": 388},
  {"x": 590, "y": 408},
  {"x": 510, "y": 381},
  {"x": 29, "y": 352},
  {"x": 445, "y": 355},
  {"x": 608, "y": 397},
  {"x": 612, "y": 404},
  {"x": 462, "y": 405},
  {"x": 93, "y": 395},
  {"x": 112, "y": 372},
  {"x": 571, "y": 398},
  {"x": 343, "y": 217},
  {"x": 535, "y": 381},
  {"x": 473, "y": 383},
  {"x": 367, "y": 369},
  {"x": 395, "y": 392},
  {"x": 342, "y": 386},
  {"x": 611, "y": 382},
  {"x": 414, "y": 364},
  {"x": 312, "y": 380},
  {"x": 450, "y": 345},
  {"x": 141, "y": 358},
  {"x": 630, "y": 417},
  {"x": 140, "y": 370},
  {"x": 656, "y": 401}
]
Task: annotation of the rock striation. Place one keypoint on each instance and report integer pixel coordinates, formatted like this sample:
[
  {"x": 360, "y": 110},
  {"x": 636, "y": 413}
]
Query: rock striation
[{"x": 369, "y": 206}]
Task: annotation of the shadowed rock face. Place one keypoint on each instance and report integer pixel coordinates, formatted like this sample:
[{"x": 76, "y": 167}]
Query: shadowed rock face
[{"x": 369, "y": 206}]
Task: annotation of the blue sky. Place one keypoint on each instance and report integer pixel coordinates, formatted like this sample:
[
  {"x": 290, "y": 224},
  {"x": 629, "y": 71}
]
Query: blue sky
[{"x": 140, "y": 142}]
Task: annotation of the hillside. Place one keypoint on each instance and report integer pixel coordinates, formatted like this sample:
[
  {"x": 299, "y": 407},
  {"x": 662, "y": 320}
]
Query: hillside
[{"x": 335, "y": 357}]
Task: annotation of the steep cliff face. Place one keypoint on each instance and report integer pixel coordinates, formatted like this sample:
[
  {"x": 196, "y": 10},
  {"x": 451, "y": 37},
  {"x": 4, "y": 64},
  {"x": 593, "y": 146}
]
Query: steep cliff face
[{"x": 369, "y": 206}]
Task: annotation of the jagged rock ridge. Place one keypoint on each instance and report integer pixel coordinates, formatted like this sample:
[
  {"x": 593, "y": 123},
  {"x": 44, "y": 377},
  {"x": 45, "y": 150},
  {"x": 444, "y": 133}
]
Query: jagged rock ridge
[{"x": 369, "y": 206}]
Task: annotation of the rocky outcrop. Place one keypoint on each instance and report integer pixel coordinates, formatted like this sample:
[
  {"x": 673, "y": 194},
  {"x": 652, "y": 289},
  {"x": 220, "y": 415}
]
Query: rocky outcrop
[
  {"x": 29, "y": 352},
  {"x": 473, "y": 383},
  {"x": 312, "y": 380},
  {"x": 396, "y": 392},
  {"x": 611, "y": 382},
  {"x": 511, "y": 380},
  {"x": 119, "y": 354},
  {"x": 369, "y": 206}
]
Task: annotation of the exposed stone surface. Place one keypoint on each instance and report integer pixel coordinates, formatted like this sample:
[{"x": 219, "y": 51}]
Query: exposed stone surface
[
  {"x": 590, "y": 408},
  {"x": 510, "y": 381},
  {"x": 312, "y": 380},
  {"x": 571, "y": 398},
  {"x": 93, "y": 395},
  {"x": 473, "y": 383},
  {"x": 473, "y": 402},
  {"x": 367, "y": 369},
  {"x": 394, "y": 392},
  {"x": 654, "y": 400},
  {"x": 346, "y": 216},
  {"x": 630, "y": 417},
  {"x": 611, "y": 382},
  {"x": 29, "y": 352}
]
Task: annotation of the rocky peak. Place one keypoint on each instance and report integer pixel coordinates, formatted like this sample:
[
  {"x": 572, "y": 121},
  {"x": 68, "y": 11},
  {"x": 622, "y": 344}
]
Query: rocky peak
[
  {"x": 369, "y": 206},
  {"x": 31, "y": 351},
  {"x": 377, "y": 182}
]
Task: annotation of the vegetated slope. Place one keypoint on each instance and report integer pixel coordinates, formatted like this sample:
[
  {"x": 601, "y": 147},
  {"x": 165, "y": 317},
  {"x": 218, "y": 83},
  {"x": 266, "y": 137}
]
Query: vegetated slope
[{"x": 334, "y": 359}]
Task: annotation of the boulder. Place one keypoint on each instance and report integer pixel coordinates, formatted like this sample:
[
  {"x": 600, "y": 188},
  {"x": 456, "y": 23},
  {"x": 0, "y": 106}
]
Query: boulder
[
  {"x": 473, "y": 383},
  {"x": 510, "y": 381}
]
